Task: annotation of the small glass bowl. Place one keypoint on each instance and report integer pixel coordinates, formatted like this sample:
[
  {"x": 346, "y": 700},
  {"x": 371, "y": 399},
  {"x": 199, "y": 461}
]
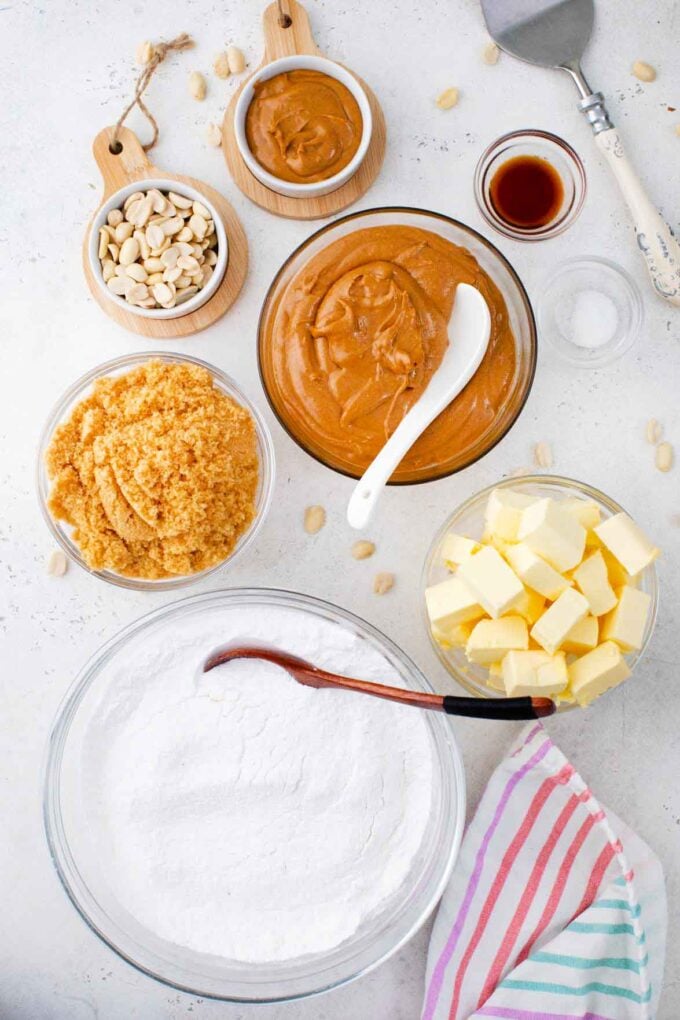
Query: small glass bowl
[
  {"x": 468, "y": 520},
  {"x": 489, "y": 258},
  {"x": 546, "y": 146},
  {"x": 80, "y": 389},
  {"x": 75, "y": 841},
  {"x": 556, "y": 304}
]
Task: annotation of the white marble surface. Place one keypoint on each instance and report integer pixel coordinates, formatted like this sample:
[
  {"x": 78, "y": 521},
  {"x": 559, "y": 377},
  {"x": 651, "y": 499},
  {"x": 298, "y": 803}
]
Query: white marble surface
[{"x": 65, "y": 71}]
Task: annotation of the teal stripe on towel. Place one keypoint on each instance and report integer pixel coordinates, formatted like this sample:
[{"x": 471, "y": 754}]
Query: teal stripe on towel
[
  {"x": 618, "y": 904},
  {"x": 585, "y": 963},
  {"x": 593, "y": 986},
  {"x": 595, "y": 928}
]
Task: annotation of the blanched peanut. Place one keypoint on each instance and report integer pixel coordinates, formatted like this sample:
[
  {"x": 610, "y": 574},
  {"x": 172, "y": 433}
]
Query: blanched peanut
[
  {"x": 447, "y": 99},
  {"x": 644, "y": 72},
  {"x": 156, "y": 247}
]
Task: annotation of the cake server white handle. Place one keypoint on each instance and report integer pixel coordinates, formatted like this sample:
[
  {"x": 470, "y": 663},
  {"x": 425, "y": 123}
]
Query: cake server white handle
[{"x": 654, "y": 238}]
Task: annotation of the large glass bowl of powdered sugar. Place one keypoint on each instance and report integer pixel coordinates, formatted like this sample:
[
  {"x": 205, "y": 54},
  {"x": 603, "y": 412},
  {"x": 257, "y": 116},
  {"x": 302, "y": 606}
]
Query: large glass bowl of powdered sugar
[{"x": 238, "y": 835}]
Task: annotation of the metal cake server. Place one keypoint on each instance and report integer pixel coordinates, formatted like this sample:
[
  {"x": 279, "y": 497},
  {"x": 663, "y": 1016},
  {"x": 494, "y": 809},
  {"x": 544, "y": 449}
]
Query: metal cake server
[{"x": 554, "y": 33}]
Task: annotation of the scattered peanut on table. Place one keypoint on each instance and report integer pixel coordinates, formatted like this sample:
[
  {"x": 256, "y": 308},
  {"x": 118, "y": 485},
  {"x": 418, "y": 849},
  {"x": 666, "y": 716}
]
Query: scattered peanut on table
[
  {"x": 664, "y": 456},
  {"x": 653, "y": 431},
  {"x": 221, "y": 65},
  {"x": 447, "y": 99},
  {"x": 57, "y": 565},
  {"x": 235, "y": 60},
  {"x": 543, "y": 455},
  {"x": 213, "y": 135},
  {"x": 643, "y": 71},
  {"x": 315, "y": 518},
  {"x": 362, "y": 549},
  {"x": 383, "y": 583},
  {"x": 491, "y": 53},
  {"x": 158, "y": 250},
  {"x": 145, "y": 52},
  {"x": 197, "y": 85}
]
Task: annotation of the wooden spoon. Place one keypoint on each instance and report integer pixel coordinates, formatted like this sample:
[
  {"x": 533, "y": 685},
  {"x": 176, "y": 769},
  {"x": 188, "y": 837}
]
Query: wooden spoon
[{"x": 309, "y": 675}]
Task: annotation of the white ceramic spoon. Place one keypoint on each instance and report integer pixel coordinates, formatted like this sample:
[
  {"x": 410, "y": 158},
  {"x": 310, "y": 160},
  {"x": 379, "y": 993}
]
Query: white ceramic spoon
[{"x": 469, "y": 330}]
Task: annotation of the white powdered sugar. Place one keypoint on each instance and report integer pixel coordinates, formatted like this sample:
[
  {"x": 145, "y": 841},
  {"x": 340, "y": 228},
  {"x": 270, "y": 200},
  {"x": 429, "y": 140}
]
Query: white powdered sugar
[{"x": 240, "y": 814}]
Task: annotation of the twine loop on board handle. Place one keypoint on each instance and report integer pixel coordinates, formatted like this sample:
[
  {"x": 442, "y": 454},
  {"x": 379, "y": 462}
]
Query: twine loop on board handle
[
  {"x": 285, "y": 20},
  {"x": 159, "y": 52}
]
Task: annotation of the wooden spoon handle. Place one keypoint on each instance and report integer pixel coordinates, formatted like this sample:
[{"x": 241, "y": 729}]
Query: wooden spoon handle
[
  {"x": 499, "y": 708},
  {"x": 472, "y": 708}
]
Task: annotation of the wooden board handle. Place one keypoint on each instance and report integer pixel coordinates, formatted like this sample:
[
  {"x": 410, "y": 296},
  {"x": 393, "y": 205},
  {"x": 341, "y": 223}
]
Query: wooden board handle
[
  {"x": 130, "y": 164},
  {"x": 287, "y": 42}
]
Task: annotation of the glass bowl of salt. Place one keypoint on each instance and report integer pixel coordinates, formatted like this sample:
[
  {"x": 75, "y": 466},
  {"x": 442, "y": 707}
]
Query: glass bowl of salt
[{"x": 590, "y": 311}]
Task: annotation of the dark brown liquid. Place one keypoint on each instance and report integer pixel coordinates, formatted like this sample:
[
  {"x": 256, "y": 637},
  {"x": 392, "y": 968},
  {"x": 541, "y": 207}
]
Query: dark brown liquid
[{"x": 526, "y": 191}]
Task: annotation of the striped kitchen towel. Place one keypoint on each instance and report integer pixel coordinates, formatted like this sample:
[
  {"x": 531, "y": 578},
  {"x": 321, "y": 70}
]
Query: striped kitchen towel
[{"x": 555, "y": 910}]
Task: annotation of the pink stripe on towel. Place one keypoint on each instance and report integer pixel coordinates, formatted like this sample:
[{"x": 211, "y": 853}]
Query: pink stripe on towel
[
  {"x": 540, "y": 798},
  {"x": 439, "y": 970}
]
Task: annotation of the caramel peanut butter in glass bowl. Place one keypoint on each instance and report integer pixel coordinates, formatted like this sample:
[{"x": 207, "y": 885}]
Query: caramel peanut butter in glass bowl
[
  {"x": 154, "y": 470},
  {"x": 355, "y": 324}
]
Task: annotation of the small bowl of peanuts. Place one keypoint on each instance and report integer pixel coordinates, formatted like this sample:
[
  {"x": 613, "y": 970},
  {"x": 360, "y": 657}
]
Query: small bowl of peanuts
[{"x": 158, "y": 249}]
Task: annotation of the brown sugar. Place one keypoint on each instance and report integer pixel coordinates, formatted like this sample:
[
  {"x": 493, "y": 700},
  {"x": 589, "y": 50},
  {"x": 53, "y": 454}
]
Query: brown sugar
[{"x": 156, "y": 470}]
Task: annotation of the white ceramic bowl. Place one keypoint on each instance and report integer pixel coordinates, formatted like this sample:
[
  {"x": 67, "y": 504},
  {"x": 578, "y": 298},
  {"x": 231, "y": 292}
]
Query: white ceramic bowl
[
  {"x": 116, "y": 202},
  {"x": 302, "y": 63}
]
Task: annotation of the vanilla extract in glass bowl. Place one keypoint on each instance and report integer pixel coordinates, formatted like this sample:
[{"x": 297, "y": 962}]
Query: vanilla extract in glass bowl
[{"x": 530, "y": 185}]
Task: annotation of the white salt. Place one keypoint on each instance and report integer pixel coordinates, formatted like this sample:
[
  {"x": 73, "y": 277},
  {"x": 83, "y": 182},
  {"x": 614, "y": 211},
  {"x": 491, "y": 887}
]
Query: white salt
[{"x": 588, "y": 318}]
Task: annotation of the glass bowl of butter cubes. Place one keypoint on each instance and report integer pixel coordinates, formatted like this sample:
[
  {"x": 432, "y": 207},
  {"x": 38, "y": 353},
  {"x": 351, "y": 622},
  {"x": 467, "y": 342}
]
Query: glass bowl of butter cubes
[{"x": 540, "y": 585}]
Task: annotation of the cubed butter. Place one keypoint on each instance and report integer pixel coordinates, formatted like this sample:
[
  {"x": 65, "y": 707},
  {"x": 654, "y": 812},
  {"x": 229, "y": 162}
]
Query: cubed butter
[
  {"x": 552, "y": 628},
  {"x": 565, "y": 697},
  {"x": 597, "y": 671},
  {"x": 627, "y": 621},
  {"x": 586, "y": 511},
  {"x": 495, "y": 586},
  {"x": 616, "y": 573},
  {"x": 593, "y": 581},
  {"x": 503, "y": 513},
  {"x": 553, "y": 533},
  {"x": 491, "y": 640},
  {"x": 534, "y": 572},
  {"x": 456, "y": 548},
  {"x": 451, "y": 602},
  {"x": 451, "y": 637},
  {"x": 521, "y": 674},
  {"x": 552, "y": 675},
  {"x": 498, "y": 543},
  {"x": 627, "y": 542},
  {"x": 531, "y": 606},
  {"x": 494, "y": 679},
  {"x": 583, "y": 636}
]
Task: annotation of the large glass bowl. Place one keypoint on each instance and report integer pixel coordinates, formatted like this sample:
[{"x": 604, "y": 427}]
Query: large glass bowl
[
  {"x": 77, "y": 856},
  {"x": 489, "y": 258},
  {"x": 62, "y": 531},
  {"x": 468, "y": 519}
]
